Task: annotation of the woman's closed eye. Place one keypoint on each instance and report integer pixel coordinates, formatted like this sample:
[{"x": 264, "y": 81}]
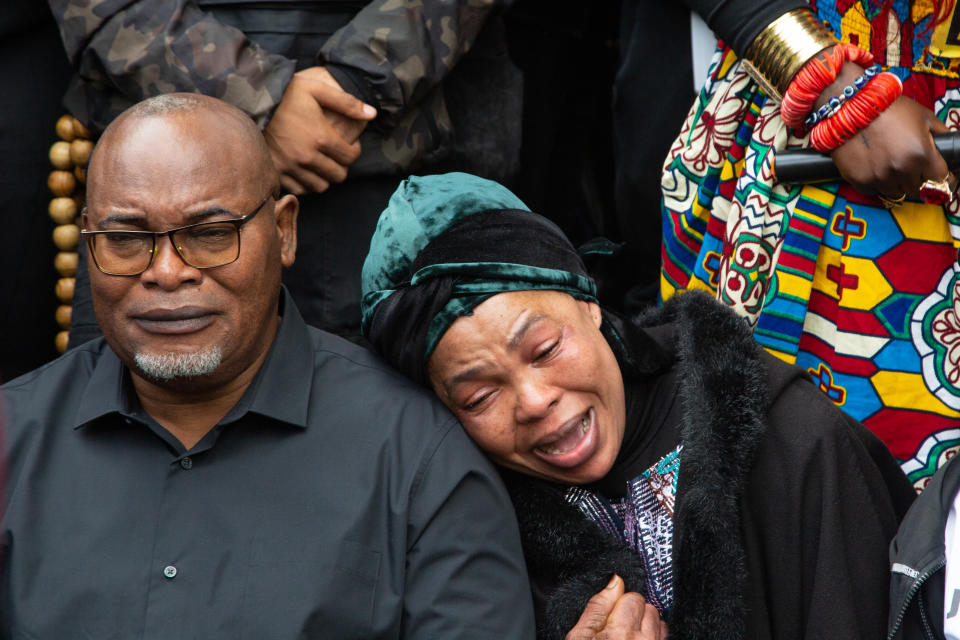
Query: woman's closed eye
[
  {"x": 547, "y": 351},
  {"x": 476, "y": 401}
]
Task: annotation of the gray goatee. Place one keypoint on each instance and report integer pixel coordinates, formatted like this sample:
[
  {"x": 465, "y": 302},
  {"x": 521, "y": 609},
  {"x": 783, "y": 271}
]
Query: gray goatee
[{"x": 172, "y": 366}]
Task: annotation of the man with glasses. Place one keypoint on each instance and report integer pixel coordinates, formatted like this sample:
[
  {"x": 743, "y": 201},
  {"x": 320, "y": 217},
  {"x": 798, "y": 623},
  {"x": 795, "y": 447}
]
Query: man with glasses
[{"x": 212, "y": 467}]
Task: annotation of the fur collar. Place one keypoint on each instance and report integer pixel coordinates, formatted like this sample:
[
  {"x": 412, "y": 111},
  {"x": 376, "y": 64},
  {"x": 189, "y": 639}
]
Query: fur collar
[{"x": 724, "y": 396}]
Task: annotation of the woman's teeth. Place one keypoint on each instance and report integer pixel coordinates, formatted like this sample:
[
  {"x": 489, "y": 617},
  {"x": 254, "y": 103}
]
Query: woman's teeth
[{"x": 570, "y": 440}]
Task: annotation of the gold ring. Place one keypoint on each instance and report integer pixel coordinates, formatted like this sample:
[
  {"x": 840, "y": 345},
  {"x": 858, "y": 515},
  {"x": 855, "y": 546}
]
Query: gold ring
[{"x": 890, "y": 203}]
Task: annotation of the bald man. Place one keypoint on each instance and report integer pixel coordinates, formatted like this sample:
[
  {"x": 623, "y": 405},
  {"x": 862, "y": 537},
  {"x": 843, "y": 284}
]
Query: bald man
[{"x": 214, "y": 468}]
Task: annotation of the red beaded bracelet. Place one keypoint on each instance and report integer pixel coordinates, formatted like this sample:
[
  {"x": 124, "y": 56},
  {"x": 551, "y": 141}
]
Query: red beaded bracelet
[
  {"x": 815, "y": 76},
  {"x": 856, "y": 113}
]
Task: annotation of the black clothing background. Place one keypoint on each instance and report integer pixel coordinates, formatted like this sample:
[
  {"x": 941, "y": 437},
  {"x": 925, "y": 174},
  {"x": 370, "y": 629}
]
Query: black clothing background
[
  {"x": 567, "y": 51},
  {"x": 738, "y": 22},
  {"x": 34, "y": 73},
  {"x": 652, "y": 92}
]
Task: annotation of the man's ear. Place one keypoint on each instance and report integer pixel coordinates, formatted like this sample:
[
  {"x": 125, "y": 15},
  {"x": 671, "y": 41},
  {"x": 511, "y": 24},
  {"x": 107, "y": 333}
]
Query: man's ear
[{"x": 285, "y": 213}]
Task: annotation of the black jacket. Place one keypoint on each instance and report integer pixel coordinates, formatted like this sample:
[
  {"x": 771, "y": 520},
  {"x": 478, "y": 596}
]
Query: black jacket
[
  {"x": 784, "y": 511},
  {"x": 917, "y": 560}
]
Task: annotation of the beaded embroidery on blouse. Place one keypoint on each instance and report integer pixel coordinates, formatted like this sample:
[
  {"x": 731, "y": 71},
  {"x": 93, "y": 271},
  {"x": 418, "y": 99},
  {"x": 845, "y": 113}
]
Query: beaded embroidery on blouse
[{"x": 643, "y": 520}]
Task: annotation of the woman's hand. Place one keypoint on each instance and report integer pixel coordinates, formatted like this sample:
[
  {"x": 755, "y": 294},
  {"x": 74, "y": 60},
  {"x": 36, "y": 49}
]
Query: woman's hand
[
  {"x": 895, "y": 154},
  {"x": 614, "y": 615}
]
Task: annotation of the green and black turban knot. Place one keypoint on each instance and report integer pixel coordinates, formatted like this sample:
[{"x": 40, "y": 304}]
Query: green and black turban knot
[{"x": 444, "y": 244}]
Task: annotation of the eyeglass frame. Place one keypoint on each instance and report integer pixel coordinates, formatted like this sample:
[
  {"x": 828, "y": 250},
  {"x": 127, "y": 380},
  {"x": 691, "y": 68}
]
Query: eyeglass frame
[{"x": 236, "y": 222}]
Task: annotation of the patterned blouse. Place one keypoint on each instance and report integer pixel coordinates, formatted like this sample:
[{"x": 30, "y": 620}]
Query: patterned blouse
[{"x": 643, "y": 520}]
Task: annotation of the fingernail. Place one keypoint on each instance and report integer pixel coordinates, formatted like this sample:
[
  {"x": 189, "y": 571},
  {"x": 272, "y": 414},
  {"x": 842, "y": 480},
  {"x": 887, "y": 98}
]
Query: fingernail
[
  {"x": 369, "y": 111},
  {"x": 613, "y": 582}
]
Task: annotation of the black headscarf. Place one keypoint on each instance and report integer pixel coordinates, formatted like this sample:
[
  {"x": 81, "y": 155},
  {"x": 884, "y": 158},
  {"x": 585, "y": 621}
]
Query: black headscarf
[{"x": 445, "y": 244}]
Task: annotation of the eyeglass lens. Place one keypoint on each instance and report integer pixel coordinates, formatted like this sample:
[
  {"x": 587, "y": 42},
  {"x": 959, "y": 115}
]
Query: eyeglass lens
[{"x": 205, "y": 245}]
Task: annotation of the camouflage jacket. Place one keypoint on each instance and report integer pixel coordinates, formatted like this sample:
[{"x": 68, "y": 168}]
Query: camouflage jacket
[{"x": 393, "y": 54}]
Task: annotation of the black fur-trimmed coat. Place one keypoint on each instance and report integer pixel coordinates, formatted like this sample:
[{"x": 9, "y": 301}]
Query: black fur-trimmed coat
[{"x": 785, "y": 506}]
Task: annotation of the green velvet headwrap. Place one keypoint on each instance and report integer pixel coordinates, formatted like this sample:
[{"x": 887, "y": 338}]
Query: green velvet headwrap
[{"x": 474, "y": 265}]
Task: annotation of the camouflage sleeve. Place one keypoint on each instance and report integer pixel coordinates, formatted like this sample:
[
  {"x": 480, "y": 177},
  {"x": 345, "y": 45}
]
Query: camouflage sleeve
[
  {"x": 402, "y": 49},
  {"x": 126, "y": 50}
]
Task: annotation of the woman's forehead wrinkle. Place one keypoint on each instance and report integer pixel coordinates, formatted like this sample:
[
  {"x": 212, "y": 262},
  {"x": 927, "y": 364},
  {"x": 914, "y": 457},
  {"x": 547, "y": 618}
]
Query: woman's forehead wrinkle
[
  {"x": 513, "y": 343},
  {"x": 470, "y": 374}
]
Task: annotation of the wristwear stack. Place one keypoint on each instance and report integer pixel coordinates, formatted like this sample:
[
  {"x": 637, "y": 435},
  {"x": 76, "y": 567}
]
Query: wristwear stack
[
  {"x": 856, "y": 113},
  {"x": 833, "y": 105},
  {"x": 795, "y": 58}
]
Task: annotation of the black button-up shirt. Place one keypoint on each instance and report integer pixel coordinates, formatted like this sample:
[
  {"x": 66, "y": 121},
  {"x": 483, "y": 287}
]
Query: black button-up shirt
[{"x": 335, "y": 500}]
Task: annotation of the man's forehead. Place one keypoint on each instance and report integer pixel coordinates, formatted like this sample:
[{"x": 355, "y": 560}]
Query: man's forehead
[
  {"x": 185, "y": 137},
  {"x": 167, "y": 161}
]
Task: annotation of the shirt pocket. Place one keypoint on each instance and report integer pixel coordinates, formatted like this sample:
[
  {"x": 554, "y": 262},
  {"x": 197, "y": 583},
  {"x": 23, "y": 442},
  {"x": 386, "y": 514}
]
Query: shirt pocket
[{"x": 322, "y": 589}]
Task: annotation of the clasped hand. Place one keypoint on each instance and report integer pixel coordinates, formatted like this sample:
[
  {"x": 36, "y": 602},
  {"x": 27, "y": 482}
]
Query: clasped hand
[
  {"x": 613, "y": 614},
  {"x": 313, "y": 135}
]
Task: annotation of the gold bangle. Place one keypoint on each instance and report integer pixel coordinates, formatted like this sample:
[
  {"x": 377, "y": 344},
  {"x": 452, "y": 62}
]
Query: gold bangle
[
  {"x": 890, "y": 203},
  {"x": 783, "y": 47}
]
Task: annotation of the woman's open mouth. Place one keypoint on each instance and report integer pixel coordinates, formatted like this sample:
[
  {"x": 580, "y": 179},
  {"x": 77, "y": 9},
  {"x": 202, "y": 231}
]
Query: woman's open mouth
[{"x": 571, "y": 445}]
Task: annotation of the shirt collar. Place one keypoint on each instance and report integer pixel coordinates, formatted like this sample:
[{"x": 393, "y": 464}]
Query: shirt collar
[
  {"x": 280, "y": 390},
  {"x": 282, "y": 387},
  {"x": 105, "y": 390}
]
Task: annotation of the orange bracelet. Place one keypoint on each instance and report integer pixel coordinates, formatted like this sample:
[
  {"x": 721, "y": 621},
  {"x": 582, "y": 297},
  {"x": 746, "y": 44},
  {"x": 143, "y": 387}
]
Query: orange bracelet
[
  {"x": 815, "y": 76},
  {"x": 856, "y": 113}
]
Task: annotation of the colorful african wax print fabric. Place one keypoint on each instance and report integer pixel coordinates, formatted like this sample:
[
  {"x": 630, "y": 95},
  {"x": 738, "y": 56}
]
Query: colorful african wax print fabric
[
  {"x": 865, "y": 299},
  {"x": 643, "y": 520}
]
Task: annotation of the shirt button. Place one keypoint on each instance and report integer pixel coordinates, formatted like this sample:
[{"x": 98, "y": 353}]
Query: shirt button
[
  {"x": 186, "y": 463},
  {"x": 170, "y": 571}
]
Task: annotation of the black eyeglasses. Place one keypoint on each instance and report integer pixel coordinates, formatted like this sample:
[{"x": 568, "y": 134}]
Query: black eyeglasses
[{"x": 202, "y": 245}]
